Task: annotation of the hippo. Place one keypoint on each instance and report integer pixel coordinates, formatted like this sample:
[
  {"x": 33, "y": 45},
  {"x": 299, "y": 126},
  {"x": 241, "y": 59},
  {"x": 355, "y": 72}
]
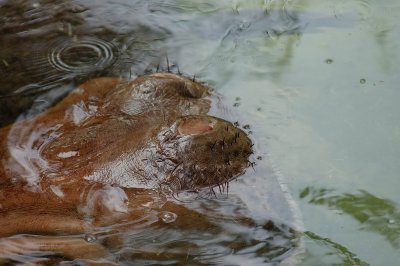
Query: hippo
[{"x": 109, "y": 152}]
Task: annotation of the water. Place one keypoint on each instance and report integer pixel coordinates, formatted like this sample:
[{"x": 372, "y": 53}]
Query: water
[{"x": 314, "y": 80}]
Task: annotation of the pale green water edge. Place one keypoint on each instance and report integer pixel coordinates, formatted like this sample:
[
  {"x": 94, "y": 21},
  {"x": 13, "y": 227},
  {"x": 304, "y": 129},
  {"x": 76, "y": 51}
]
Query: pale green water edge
[{"x": 325, "y": 101}]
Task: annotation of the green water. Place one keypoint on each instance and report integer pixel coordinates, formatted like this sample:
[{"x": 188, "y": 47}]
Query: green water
[
  {"x": 317, "y": 81},
  {"x": 330, "y": 117}
]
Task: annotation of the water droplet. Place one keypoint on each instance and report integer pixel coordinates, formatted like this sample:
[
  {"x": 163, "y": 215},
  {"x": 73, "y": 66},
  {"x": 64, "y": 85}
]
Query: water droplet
[
  {"x": 168, "y": 217},
  {"x": 328, "y": 61},
  {"x": 90, "y": 238},
  {"x": 362, "y": 81}
]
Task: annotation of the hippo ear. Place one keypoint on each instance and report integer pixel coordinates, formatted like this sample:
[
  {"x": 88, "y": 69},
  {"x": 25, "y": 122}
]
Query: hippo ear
[{"x": 177, "y": 84}]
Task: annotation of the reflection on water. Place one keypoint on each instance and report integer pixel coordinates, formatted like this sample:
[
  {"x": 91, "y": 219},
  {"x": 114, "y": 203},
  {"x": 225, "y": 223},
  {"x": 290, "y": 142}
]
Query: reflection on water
[
  {"x": 197, "y": 238},
  {"x": 335, "y": 249},
  {"x": 228, "y": 240},
  {"x": 374, "y": 214}
]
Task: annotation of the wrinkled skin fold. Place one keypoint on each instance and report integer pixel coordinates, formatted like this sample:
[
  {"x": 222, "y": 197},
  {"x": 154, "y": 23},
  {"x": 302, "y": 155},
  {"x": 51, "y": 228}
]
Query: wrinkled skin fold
[{"x": 111, "y": 152}]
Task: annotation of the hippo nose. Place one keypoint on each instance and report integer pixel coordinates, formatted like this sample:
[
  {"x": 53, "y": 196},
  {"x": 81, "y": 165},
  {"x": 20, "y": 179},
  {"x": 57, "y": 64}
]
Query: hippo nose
[
  {"x": 210, "y": 151},
  {"x": 212, "y": 129}
]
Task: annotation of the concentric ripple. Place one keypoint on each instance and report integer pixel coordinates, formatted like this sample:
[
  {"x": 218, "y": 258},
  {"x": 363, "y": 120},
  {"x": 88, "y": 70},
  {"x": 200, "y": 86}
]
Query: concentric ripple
[{"x": 83, "y": 56}]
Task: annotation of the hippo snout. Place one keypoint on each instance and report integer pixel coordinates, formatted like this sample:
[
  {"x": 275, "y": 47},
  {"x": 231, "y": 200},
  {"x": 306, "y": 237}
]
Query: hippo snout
[{"x": 207, "y": 151}]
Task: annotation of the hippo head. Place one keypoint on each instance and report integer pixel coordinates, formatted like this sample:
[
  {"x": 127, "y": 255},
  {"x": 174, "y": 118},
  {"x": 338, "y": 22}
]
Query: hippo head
[{"x": 147, "y": 133}]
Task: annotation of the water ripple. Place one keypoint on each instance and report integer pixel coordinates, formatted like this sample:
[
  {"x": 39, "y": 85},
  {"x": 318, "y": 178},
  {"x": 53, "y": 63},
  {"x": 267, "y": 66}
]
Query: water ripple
[{"x": 83, "y": 56}]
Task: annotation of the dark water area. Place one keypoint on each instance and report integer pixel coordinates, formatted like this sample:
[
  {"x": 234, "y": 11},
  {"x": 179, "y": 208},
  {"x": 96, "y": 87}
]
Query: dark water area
[{"x": 49, "y": 46}]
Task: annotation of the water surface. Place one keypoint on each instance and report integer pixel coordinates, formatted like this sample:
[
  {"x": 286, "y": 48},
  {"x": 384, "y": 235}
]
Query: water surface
[{"x": 316, "y": 81}]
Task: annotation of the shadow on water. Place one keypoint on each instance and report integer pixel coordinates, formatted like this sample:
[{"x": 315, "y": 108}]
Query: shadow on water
[{"x": 374, "y": 214}]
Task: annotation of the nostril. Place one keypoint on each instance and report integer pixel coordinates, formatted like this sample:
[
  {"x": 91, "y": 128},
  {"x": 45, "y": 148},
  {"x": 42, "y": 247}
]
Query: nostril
[
  {"x": 183, "y": 86},
  {"x": 193, "y": 90},
  {"x": 195, "y": 126}
]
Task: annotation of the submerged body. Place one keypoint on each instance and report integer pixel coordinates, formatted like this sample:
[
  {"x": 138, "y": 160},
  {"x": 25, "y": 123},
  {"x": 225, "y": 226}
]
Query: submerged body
[{"x": 109, "y": 152}]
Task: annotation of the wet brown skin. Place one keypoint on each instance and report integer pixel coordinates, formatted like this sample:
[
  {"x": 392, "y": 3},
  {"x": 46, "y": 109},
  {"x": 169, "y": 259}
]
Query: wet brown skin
[{"x": 109, "y": 152}]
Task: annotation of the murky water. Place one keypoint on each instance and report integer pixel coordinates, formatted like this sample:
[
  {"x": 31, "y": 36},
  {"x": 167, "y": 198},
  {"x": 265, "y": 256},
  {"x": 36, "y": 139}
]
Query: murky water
[{"x": 314, "y": 80}]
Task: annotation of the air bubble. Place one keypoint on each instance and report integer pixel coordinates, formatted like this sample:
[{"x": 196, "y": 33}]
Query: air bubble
[
  {"x": 168, "y": 217},
  {"x": 90, "y": 238}
]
